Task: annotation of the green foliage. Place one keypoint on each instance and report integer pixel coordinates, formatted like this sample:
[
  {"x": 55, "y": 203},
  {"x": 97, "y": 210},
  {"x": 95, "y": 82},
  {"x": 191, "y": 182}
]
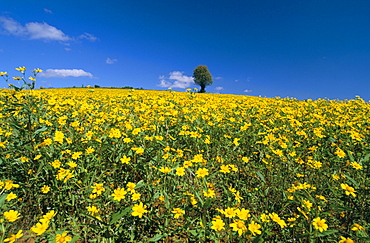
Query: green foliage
[
  {"x": 202, "y": 77},
  {"x": 82, "y": 163}
]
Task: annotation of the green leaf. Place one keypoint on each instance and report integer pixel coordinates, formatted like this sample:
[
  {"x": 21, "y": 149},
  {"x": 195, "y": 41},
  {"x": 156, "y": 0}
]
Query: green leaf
[
  {"x": 352, "y": 180},
  {"x": 140, "y": 184},
  {"x": 2, "y": 199},
  {"x": 366, "y": 158},
  {"x": 156, "y": 238},
  {"x": 350, "y": 155},
  {"x": 120, "y": 214},
  {"x": 327, "y": 232},
  {"x": 261, "y": 176},
  {"x": 258, "y": 239}
]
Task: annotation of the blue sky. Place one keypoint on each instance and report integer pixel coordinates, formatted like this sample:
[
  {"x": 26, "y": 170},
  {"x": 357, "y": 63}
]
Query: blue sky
[{"x": 304, "y": 49}]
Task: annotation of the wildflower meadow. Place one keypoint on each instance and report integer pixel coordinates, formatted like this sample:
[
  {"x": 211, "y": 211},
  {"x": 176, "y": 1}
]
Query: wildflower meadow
[{"x": 116, "y": 165}]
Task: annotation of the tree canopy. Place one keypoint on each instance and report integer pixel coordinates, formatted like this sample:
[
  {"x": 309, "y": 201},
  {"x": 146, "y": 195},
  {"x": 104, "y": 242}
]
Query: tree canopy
[{"x": 202, "y": 77}]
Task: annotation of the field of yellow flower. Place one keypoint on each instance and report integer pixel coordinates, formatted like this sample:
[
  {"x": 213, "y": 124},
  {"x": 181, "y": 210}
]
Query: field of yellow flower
[{"x": 112, "y": 165}]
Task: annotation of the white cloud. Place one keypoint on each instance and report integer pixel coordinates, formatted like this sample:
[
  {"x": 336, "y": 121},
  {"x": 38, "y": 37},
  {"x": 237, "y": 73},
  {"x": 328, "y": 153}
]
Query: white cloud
[
  {"x": 247, "y": 90},
  {"x": 44, "y": 31},
  {"x": 63, "y": 73},
  {"x": 32, "y": 30},
  {"x": 88, "y": 36},
  {"x": 110, "y": 61},
  {"x": 217, "y": 78},
  {"x": 48, "y": 11},
  {"x": 219, "y": 88},
  {"x": 164, "y": 83},
  {"x": 11, "y": 26},
  {"x": 177, "y": 79}
]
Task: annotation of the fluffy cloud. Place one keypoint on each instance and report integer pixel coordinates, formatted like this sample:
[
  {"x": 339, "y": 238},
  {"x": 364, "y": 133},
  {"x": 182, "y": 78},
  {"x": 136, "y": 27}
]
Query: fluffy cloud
[
  {"x": 219, "y": 88},
  {"x": 44, "y": 31},
  {"x": 11, "y": 26},
  {"x": 38, "y": 31},
  {"x": 32, "y": 30},
  {"x": 177, "y": 79},
  {"x": 247, "y": 90},
  {"x": 63, "y": 73},
  {"x": 110, "y": 61}
]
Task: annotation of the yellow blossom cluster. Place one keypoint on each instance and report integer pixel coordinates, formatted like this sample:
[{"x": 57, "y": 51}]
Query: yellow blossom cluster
[{"x": 145, "y": 166}]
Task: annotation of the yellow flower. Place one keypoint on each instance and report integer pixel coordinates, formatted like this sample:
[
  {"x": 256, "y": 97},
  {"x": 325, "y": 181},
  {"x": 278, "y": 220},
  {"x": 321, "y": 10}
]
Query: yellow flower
[
  {"x": 59, "y": 136},
  {"x": 180, "y": 171},
  {"x": 13, "y": 238},
  {"x": 265, "y": 218},
  {"x": 357, "y": 227},
  {"x": 11, "y": 215},
  {"x": 119, "y": 194},
  {"x": 98, "y": 188},
  {"x": 76, "y": 155},
  {"x": 320, "y": 224},
  {"x": 48, "y": 216},
  {"x": 217, "y": 224},
  {"x": 321, "y": 197},
  {"x": 93, "y": 210},
  {"x": 237, "y": 196},
  {"x": 348, "y": 190},
  {"x": 165, "y": 170},
  {"x": 125, "y": 159},
  {"x": 239, "y": 226},
  {"x": 139, "y": 210},
  {"x": 201, "y": 172},
  {"x": 340, "y": 153},
  {"x": 356, "y": 166},
  {"x": 335, "y": 177},
  {"x": 178, "y": 212},
  {"x": 72, "y": 164},
  {"x": 229, "y": 212},
  {"x": 307, "y": 204},
  {"x": 345, "y": 240},
  {"x": 139, "y": 151},
  {"x": 210, "y": 193},
  {"x": 236, "y": 141},
  {"x": 3, "y": 73},
  {"x": 9, "y": 185},
  {"x": 39, "y": 228},
  {"x": 24, "y": 159},
  {"x": 135, "y": 196},
  {"x": 243, "y": 213},
  {"x": 225, "y": 169},
  {"x": 63, "y": 238},
  {"x": 89, "y": 150},
  {"x": 274, "y": 217},
  {"x": 254, "y": 228},
  {"x": 21, "y": 69},
  {"x": 245, "y": 159},
  {"x": 11, "y": 196},
  {"x": 131, "y": 187}
]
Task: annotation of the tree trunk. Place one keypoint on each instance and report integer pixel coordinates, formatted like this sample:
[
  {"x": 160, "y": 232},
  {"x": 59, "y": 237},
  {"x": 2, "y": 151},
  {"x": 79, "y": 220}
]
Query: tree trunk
[{"x": 202, "y": 89}]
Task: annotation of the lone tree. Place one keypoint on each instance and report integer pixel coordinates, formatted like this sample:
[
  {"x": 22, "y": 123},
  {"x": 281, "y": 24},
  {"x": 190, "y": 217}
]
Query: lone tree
[{"x": 202, "y": 77}]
